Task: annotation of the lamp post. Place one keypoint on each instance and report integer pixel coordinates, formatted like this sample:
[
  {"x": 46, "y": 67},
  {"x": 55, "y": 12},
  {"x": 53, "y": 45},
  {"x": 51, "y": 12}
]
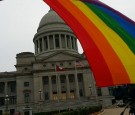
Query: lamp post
[
  {"x": 40, "y": 99},
  {"x": 40, "y": 94},
  {"x": 6, "y": 103},
  {"x": 90, "y": 88}
]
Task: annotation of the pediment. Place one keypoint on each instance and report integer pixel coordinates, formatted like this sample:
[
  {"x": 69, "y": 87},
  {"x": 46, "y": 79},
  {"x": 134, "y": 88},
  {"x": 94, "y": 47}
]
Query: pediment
[{"x": 61, "y": 56}]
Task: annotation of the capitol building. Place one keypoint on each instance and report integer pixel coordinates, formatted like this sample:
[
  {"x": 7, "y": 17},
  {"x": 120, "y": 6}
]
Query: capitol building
[{"x": 56, "y": 76}]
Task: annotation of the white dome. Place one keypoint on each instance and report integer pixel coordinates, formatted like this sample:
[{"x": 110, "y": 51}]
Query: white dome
[
  {"x": 52, "y": 22},
  {"x": 49, "y": 18}
]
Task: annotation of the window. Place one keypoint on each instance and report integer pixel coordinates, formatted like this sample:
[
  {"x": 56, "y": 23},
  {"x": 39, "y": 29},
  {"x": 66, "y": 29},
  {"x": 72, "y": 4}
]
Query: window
[
  {"x": 12, "y": 112},
  {"x": 26, "y": 84},
  {"x": 45, "y": 43},
  {"x": 68, "y": 41},
  {"x": 0, "y": 112},
  {"x": 46, "y": 96},
  {"x": 75, "y": 43},
  {"x": 37, "y": 46},
  {"x": 53, "y": 65},
  {"x": 40, "y": 45},
  {"x": 12, "y": 100},
  {"x": 80, "y": 77},
  {"x": 46, "y": 80},
  {"x": 63, "y": 95},
  {"x": 44, "y": 65},
  {"x": 110, "y": 91},
  {"x": 70, "y": 63},
  {"x": 81, "y": 92},
  {"x": 71, "y": 78},
  {"x": 26, "y": 97},
  {"x": 2, "y": 101},
  {"x": 63, "y": 41},
  {"x": 57, "y": 42},
  {"x": 72, "y": 42},
  {"x": 61, "y": 64},
  {"x": 72, "y": 94},
  {"x": 12, "y": 86},
  {"x": 51, "y": 42},
  {"x": 53, "y": 79},
  {"x": 99, "y": 92},
  {"x": 62, "y": 78},
  {"x": 55, "y": 96},
  {"x": 2, "y": 87}
]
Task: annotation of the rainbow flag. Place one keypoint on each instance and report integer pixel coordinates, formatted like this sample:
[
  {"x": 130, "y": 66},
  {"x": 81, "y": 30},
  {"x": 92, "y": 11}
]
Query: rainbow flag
[{"x": 107, "y": 38}]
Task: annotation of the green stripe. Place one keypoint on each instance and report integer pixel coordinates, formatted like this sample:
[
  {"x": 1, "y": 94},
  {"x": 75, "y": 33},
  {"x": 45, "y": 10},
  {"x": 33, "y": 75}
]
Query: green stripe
[{"x": 114, "y": 25}]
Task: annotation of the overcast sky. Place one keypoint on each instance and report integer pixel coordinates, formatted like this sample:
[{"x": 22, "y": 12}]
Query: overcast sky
[{"x": 19, "y": 20}]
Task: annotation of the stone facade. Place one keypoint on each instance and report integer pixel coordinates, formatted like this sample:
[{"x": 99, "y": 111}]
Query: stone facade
[{"x": 37, "y": 85}]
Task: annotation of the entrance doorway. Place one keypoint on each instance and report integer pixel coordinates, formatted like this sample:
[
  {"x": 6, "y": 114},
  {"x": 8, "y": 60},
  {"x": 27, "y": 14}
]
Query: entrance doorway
[{"x": 26, "y": 113}]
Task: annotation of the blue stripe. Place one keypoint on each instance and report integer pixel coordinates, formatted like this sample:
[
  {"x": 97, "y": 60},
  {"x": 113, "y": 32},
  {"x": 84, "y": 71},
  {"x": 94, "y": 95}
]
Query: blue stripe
[{"x": 127, "y": 26}]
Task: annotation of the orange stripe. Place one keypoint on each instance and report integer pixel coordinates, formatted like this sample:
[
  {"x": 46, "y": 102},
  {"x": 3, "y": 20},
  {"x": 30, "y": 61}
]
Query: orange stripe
[{"x": 109, "y": 55}]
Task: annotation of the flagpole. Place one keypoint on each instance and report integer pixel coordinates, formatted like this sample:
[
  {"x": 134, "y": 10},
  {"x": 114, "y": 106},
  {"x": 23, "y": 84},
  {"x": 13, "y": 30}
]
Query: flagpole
[
  {"x": 57, "y": 83},
  {"x": 76, "y": 80}
]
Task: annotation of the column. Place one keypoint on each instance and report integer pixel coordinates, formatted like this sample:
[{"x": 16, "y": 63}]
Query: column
[
  {"x": 50, "y": 88},
  {"x": 76, "y": 46},
  {"x": 77, "y": 87},
  {"x": 48, "y": 43},
  {"x": 71, "y": 42},
  {"x": 54, "y": 44},
  {"x": 60, "y": 41},
  {"x": 74, "y": 43},
  {"x": 59, "y": 87},
  {"x": 65, "y": 37},
  {"x": 38, "y": 46},
  {"x": 43, "y": 44},
  {"x": 41, "y": 86},
  {"x": 6, "y": 88},
  {"x": 35, "y": 47},
  {"x": 68, "y": 87}
]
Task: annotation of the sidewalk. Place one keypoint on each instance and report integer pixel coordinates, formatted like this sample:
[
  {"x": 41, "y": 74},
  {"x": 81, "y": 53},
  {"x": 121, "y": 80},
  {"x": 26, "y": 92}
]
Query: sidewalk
[{"x": 113, "y": 111}]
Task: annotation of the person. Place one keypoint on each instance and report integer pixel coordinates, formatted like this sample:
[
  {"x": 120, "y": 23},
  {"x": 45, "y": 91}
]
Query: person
[
  {"x": 131, "y": 103},
  {"x": 17, "y": 113}
]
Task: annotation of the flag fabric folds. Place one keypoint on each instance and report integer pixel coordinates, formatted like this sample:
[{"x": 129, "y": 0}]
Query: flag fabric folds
[
  {"x": 59, "y": 68},
  {"x": 78, "y": 63},
  {"x": 107, "y": 38}
]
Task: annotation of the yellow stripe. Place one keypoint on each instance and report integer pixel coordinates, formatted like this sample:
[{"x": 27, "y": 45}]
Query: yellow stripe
[{"x": 119, "y": 46}]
